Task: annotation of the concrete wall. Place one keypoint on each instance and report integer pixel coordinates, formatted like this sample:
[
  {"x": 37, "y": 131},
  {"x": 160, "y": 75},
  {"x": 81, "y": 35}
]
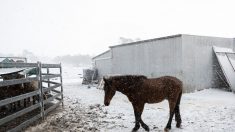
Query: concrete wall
[
  {"x": 153, "y": 59},
  {"x": 197, "y": 64}
]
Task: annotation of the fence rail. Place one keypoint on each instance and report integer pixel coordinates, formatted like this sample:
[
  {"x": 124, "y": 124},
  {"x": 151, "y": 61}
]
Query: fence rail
[
  {"x": 19, "y": 113},
  {"x": 18, "y": 64},
  {"x": 54, "y": 88},
  {"x": 17, "y": 81},
  {"x": 17, "y": 98}
]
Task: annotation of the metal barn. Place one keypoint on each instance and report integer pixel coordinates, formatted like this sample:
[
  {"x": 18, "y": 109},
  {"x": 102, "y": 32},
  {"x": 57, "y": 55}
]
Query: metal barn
[{"x": 190, "y": 58}]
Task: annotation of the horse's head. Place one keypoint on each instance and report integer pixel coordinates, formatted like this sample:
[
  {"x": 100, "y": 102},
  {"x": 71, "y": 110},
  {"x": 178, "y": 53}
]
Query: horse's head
[{"x": 109, "y": 91}]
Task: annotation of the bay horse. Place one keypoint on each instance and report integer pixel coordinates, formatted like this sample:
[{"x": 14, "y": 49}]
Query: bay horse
[{"x": 140, "y": 90}]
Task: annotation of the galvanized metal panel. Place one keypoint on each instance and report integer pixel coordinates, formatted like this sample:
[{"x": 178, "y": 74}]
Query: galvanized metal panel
[
  {"x": 106, "y": 54},
  {"x": 40, "y": 92},
  {"x": 25, "y": 124},
  {"x": 50, "y": 76},
  {"x": 50, "y": 65},
  {"x": 227, "y": 61},
  {"x": 19, "y": 113},
  {"x": 227, "y": 68},
  {"x": 17, "y": 81},
  {"x": 231, "y": 57},
  {"x": 197, "y": 61},
  {"x": 52, "y": 98},
  {"x": 103, "y": 66},
  {"x": 153, "y": 58},
  {"x": 188, "y": 57},
  {"x": 17, "y": 98},
  {"x": 51, "y": 82},
  {"x": 51, "y": 87},
  {"x": 17, "y": 64},
  {"x": 10, "y": 70}
]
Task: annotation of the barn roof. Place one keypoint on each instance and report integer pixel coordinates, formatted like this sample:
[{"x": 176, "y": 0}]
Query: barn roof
[
  {"x": 4, "y": 71},
  {"x": 100, "y": 54},
  {"x": 148, "y": 40},
  {"x": 9, "y": 71},
  {"x": 138, "y": 42},
  {"x": 6, "y": 60}
]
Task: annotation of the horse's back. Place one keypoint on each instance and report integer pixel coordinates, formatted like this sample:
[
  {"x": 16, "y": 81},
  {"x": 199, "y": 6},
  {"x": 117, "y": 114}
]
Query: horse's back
[
  {"x": 167, "y": 79},
  {"x": 164, "y": 87},
  {"x": 172, "y": 85},
  {"x": 175, "y": 80}
]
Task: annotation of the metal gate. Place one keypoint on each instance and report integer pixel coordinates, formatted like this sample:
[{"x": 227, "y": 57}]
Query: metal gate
[
  {"x": 48, "y": 82},
  {"x": 226, "y": 59}
]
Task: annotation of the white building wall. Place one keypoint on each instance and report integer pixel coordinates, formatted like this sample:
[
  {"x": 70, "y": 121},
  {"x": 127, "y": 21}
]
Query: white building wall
[
  {"x": 104, "y": 67},
  {"x": 103, "y": 63},
  {"x": 153, "y": 59},
  {"x": 197, "y": 64},
  {"x": 187, "y": 57}
]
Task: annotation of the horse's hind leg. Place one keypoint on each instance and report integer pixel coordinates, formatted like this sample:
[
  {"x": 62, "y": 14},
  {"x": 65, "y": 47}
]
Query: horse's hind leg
[
  {"x": 172, "y": 104},
  {"x": 146, "y": 128},
  {"x": 177, "y": 117},
  {"x": 138, "y": 109},
  {"x": 177, "y": 112}
]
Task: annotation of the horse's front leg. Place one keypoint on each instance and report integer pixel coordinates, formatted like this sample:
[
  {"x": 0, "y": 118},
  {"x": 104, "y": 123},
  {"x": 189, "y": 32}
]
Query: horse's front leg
[
  {"x": 137, "y": 122},
  {"x": 146, "y": 128},
  {"x": 138, "y": 109}
]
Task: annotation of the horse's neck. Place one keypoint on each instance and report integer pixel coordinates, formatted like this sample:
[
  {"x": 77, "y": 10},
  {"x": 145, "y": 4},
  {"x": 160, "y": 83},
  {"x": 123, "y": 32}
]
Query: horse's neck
[
  {"x": 125, "y": 89},
  {"x": 122, "y": 89}
]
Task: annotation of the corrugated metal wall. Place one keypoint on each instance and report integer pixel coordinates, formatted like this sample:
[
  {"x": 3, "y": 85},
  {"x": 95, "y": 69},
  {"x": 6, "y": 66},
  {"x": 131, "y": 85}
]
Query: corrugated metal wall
[
  {"x": 188, "y": 57},
  {"x": 153, "y": 59},
  {"x": 198, "y": 72},
  {"x": 103, "y": 63}
]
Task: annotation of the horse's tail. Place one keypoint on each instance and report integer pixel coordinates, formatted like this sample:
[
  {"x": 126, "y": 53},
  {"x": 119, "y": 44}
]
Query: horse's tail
[
  {"x": 177, "y": 111},
  {"x": 179, "y": 98},
  {"x": 180, "y": 94}
]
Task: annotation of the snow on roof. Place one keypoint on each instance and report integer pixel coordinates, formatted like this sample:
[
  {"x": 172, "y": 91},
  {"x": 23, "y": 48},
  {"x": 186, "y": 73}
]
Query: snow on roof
[
  {"x": 223, "y": 49},
  {"x": 100, "y": 54},
  {"x": 148, "y": 40},
  {"x": 10, "y": 70}
]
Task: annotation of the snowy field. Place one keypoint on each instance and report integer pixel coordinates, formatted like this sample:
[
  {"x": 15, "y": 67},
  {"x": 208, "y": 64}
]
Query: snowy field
[{"x": 210, "y": 110}]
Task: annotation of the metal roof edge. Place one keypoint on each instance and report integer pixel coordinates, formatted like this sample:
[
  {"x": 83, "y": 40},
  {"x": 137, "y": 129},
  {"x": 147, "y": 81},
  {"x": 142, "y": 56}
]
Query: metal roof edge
[
  {"x": 100, "y": 54},
  {"x": 148, "y": 40},
  {"x": 205, "y": 36}
]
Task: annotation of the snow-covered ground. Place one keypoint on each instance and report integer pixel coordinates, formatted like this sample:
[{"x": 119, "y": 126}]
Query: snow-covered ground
[{"x": 210, "y": 110}]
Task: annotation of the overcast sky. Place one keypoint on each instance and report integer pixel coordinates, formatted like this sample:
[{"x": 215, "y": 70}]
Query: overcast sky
[{"x": 56, "y": 27}]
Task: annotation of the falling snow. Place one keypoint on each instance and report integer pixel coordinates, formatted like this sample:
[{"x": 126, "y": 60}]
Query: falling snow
[{"x": 206, "y": 110}]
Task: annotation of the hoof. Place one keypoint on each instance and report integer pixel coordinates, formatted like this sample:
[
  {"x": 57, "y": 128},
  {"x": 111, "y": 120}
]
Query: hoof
[
  {"x": 166, "y": 130},
  {"x": 178, "y": 126},
  {"x": 146, "y": 128},
  {"x": 136, "y": 128}
]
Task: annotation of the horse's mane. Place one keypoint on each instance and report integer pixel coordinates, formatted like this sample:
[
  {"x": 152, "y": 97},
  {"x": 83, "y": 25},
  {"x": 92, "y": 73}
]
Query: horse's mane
[
  {"x": 130, "y": 82},
  {"x": 127, "y": 77}
]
